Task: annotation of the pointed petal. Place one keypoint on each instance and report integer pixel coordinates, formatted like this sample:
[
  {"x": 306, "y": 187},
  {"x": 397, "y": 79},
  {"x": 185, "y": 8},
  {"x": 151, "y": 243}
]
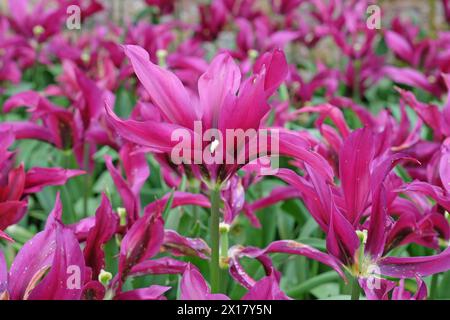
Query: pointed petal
[
  {"x": 142, "y": 241},
  {"x": 165, "y": 89},
  {"x": 409, "y": 267},
  {"x": 39, "y": 178},
  {"x": 222, "y": 78},
  {"x": 106, "y": 224},
  {"x": 354, "y": 171}
]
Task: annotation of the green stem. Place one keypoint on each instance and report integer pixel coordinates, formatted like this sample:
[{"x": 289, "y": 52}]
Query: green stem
[
  {"x": 215, "y": 239},
  {"x": 355, "y": 289},
  {"x": 312, "y": 283},
  {"x": 434, "y": 286}
]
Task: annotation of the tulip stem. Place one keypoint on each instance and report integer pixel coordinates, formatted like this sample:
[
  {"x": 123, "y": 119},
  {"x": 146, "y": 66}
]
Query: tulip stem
[
  {"x": 355, "y": 289},
  {"x": 215, "y": 239}
]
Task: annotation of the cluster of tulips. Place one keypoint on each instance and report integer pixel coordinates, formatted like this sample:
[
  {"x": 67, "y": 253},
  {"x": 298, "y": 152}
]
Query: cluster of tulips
[{"x": 94, "y": 205}]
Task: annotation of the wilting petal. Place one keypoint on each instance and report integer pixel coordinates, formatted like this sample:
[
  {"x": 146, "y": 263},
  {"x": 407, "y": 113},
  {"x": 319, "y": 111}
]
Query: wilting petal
[
  {"x": 150, "y": 293},
  {"x": 409, "y": 267},
  {"x": 106, "y": 224},
  {"x": 267, "y": 288},
  {"x": 165, "y": 89},
  {"x": 164, "y": 265},
  {"x": 222, "y": 78},
  {"x": 194, "y": 287},
  {"x": 182, "y": 246},
  {"x": 38, "y": 178}
]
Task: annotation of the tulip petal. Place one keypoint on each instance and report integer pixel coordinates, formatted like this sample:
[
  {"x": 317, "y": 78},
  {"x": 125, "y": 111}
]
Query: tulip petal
[{"x": 165, "y": 89}]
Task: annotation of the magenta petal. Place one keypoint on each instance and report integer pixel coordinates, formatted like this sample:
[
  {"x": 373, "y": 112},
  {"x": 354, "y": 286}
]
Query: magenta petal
[
  {"x": 296, "y": 248},
  {"x": 164, "y": 265},
  {"x": 106, "y": 224},
  {"x": 376, "y": 236},
  {"x": 399, "y": 45},
  {"x": 11, "y": 212},
  {"x": 153, "y": 134},
  {"x": 150, "y": 293},
  {"x": 38, "y": 178},
  {"x": 55, "y": 250},
  {"x": 430, "y": 190},
  {"x": 409, "y": 267},
  {"x": 29, "y": 130},
  {"x": 165, "y": 89},
  {"x": 444, "y": 165},
  {"x": 376, "y": 291},
  {"x": 276, "y": 69},
  {"x": 194, "y": 287},
  {"x": 222, "y": 78},
  {"x": 129, "y": 200},
  {"x": 354, "y": 164},
  {"x": 5, "y": 236},
  {"x": 266, "y": 289},
  {"x": 142, "y": 241},
  {"x": 342, "y": 241},
  {"x": 3, "y": 275},
  {"x": 182, "y": 246}
]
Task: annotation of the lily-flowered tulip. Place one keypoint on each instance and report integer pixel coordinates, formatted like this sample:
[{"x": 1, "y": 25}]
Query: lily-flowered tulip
[{"x": 49, "y": 266}]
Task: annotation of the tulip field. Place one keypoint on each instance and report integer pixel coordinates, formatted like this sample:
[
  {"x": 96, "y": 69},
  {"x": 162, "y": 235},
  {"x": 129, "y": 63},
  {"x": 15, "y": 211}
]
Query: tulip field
[{"x": 224, "y": 150}]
